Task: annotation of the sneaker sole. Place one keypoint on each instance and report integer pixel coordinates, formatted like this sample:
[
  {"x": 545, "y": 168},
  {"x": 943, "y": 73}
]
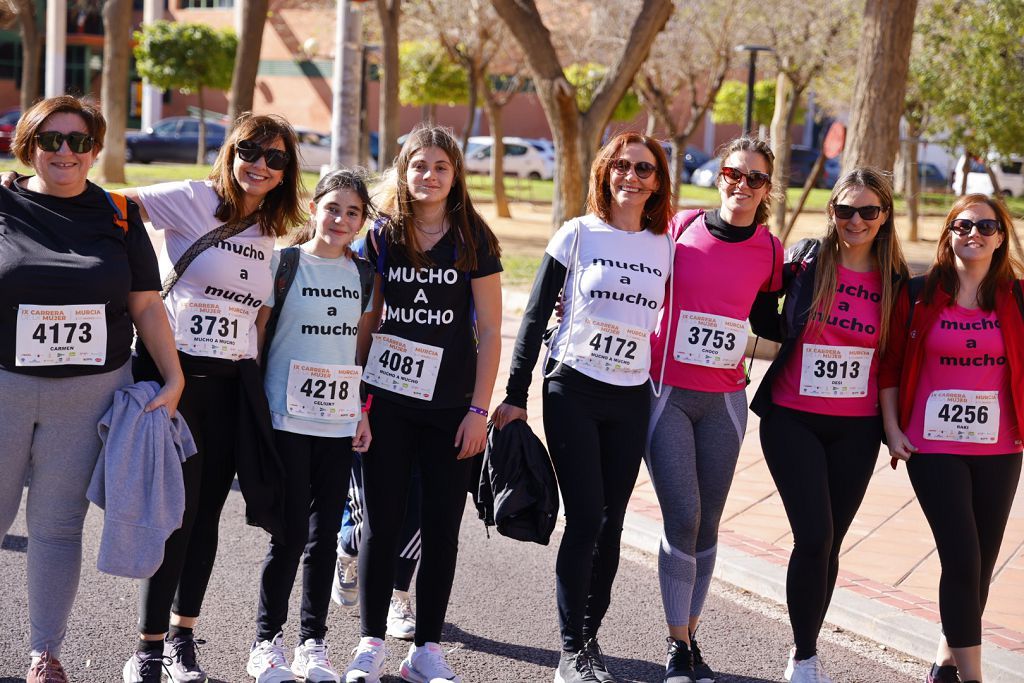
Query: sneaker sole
[
  {"x": 401, "y": 635},
  {"x": 410, "y": 675}
]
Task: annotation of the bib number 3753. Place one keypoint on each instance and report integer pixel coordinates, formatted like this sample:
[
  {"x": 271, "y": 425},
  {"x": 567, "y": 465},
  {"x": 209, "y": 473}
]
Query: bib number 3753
[
  {"x": 61, "y": 335},
  {"x": 961, "y": 415},
  {"x": 325, "y": 392},
  {"x": 714, "y": 341},
  {"x": 402, "y": 366}
]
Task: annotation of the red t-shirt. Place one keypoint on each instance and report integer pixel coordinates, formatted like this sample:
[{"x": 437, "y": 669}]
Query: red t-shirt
[
  {"x": 962, "y": 403},
  {"x": 833, "y": 369}
]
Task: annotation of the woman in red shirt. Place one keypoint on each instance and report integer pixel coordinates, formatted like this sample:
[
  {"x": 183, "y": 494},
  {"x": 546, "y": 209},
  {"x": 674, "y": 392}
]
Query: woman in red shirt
[{"x": 951, "y": 388}]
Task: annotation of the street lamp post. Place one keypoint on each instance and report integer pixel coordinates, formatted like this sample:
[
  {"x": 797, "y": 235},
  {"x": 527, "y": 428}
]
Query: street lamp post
[{"x": 753, "y": 50}]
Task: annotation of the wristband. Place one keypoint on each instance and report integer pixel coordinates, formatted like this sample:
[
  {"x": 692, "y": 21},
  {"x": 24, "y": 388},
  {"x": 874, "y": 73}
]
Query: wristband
[
  {"x": 366, "y": 405},
  {"x": 478, "y": 411}
]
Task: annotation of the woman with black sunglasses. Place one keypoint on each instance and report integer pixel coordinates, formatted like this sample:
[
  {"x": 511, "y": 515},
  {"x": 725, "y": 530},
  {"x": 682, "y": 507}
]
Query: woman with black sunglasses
[
  {"x": 818, "y": 402},
  {"x": 77, "y": 271},
  {"x": 952, "y": 394},
  {"x": 723, "y": 258},
  {"x": 610, "y": 267}
]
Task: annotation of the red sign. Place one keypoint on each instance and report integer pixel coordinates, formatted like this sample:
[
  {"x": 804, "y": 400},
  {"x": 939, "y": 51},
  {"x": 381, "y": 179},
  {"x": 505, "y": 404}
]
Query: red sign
[{"x": 835, "y": 141}]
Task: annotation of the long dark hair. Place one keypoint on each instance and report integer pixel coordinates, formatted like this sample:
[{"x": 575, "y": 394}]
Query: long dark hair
[
  {"x": 657, "y": 208},
  {"x": 394, "y": 200},
  {"x": 341, "y": 179}
]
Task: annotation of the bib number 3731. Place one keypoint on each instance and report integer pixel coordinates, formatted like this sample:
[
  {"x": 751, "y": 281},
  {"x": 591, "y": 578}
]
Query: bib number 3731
[
  {"x": 961, "y": 415},
  {"x": 61, "y": 335},
  {"x": 207, "y": 327},
  {"x": 325, "y": 392},
  {"x": 714, "y": 341},
  {"x": 404, "y": 367}
]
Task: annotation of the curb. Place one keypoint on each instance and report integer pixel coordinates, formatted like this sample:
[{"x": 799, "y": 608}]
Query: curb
[{"x": 849, "y": 611}]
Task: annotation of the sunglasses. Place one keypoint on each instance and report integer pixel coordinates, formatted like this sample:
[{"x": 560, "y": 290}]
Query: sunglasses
[
  {"x": 755, "y": 179},
  {"x": 52, "y": 141},
  {"x": 250, "y": 152},
  {"x": 986, "y": 226},
  {"x": 643, "y": 169},
  {"x": 845, "y": 211}
]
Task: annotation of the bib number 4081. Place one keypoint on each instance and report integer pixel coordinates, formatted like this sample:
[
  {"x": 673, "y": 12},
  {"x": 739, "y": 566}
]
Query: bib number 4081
[
  {"x": 397, "y": 362},
  {"x": 42, "y": 333}
]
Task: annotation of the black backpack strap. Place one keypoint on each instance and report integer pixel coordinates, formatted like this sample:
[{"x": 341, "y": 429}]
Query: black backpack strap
[
  {"x": 283, "y": 279},
  {"x": 366, "y": 273},
  {"x": 222, "y": 232},
  {"x": 915, "y": 286}
]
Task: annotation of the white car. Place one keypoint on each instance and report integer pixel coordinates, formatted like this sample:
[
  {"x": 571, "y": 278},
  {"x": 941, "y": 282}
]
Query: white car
[
  {"x": 1009, "y": 173},
  {"x": 522, "y": 159}
]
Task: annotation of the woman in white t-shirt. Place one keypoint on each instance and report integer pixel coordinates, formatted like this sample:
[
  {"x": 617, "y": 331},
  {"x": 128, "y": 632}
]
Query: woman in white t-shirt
[
  {"x": 610, "y": 266},
  {"x": 253, "y": 194}
]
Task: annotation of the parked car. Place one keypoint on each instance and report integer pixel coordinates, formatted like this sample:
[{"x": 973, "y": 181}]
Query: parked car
[
  {"x": 174, "y": 139},
  {"x": 693, "y": 159},
  {"x": 521, "y": 158},
  {"x": 544, "y": 146},
  {"x": 314, "y": 149},
  {"x": 706, "y": 174},
  {"x": 801, "y": 161},
  {"x": 8, "y": 122},
  {"x": 931, "y": 179},
  {"x": 1009, "y": 173}
]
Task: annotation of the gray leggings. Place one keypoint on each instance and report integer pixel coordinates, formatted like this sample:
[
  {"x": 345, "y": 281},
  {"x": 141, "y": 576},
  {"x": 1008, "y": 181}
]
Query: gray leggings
[
  {"x": 693, "y": 443},
  {"x": 48, "y": 431}
]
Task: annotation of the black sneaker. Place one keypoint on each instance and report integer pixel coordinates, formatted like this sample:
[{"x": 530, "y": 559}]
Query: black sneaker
[
  {"x": 576, "y": 667},
  {"x": 184, "y": 666},
  {"x": 702, "y": 673},
  {"x": 943, "y": 674},
  {"x": 679, "y": 667},
  {"x": 598, "y": 663},
  {"x": 145, "y": 667}
]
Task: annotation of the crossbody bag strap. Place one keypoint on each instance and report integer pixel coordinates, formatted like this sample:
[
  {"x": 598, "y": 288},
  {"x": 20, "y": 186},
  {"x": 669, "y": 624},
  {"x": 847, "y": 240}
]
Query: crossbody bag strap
[{"x": 223, "y": 232}]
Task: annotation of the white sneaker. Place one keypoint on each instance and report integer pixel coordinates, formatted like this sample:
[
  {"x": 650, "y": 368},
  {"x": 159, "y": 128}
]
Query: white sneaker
[
  {"x": 426, "y": 664},
  {"x": 401, "y": 620},
  {"x": 367, "y": 662},
  {"x": 788, "y": 673},
  {"x": 312, "y": 663},
  {"x": 345, "y": 590},
  {"x": 807, "y": 670},
  {"x": 267, "y": 663}
]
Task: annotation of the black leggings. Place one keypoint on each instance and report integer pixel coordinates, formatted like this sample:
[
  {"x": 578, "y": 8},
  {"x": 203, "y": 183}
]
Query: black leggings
[
  {"x": 210, "y": 408},
  {"x": 821, "y": 465},
  {"x": 966, "y": 500},
  {"x": 402, "y": 437},
  {"x": 596, "y": 433},
  {"x": 316, "y": 470}
]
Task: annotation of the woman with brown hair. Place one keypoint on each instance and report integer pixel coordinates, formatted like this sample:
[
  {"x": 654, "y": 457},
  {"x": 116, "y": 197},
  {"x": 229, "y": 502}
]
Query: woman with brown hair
[
  {"x": 77, "y": 271},
  {"x": 952, "y": 394},
  {"x": 820, "y": 420},
  {"x": 610, "y": 268}
]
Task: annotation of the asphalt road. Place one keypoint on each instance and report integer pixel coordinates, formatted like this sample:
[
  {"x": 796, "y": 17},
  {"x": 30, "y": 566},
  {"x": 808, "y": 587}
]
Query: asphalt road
[{"x": 502, "y": 624}]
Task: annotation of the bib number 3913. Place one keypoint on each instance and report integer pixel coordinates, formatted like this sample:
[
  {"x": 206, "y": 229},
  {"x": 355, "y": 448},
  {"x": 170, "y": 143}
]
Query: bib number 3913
[
  {"x": 325, "y": 392},
  {"x": 714, "y": 341},
  {"x": 61, "y": 335},
  {"x": 961, "y": 415},
  {"x": 206, "y": 327},
  {"x": 612, "y": 346},
  {"x": 404, "y": 367},
  {"x": 835, "y": 371}
]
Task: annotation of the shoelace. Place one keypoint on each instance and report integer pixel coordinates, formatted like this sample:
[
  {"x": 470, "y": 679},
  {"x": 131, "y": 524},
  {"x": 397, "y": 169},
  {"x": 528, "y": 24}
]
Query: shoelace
[
  {"x": 363, "y": 657},
  {"x": 273, "y": 652},
  {"x": 584, "y": 664},
  {"x": 679, "y": 656},
  {"x": 49, "y": 669},
  {"x": 151, "y": 668},
  {"x": 404, "y": 607},
  {"x": 317, "y": 654},
  {"x": 698, "y": 660},
  {"x": 186, "y": 652},
  {"x": 594, "y": 650},
  {"x": 350, "y": 572},
  {"x": 436, "y": 663}
]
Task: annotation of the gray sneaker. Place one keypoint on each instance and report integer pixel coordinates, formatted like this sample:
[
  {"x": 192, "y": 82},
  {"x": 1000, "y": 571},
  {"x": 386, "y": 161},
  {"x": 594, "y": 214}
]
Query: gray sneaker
[
  {"x": 144, "y": 667},
  {"x": 183, "y": 655},
  {"x": 576, "y": 667}
]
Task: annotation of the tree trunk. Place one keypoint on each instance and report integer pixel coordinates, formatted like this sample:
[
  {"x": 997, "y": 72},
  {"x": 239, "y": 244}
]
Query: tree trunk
[
  {"x": 676, "y": 165},
  {"x": 965, "y": 168},
  {"x": 346, "y": 117},
  {"x": 389, "y": 12},
  {"x": 913, "y": 182},
  {"x": 497, "y": 161},
  {"x": 474, "y": 86},
  {"x": 247, "y": 57},
  {"x": 32, "y": 51},
  {"x": 996, "y": 190},
  {"x": 878, "y": 94},
  {"x": 786, "y": 96},
  {"x": 201, "y": 146},
  {"x": 117, "y": 24}
]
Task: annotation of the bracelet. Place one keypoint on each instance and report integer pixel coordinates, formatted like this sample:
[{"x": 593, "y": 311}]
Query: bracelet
[
  {"x": 478, "y": 411},
  {"x": 366, "y": 405}
]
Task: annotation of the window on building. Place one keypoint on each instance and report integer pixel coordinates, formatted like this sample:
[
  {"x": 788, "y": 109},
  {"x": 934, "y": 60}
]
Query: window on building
[
  {"x": 206, "y": 4},
  {"x": 10, "y": 61}
]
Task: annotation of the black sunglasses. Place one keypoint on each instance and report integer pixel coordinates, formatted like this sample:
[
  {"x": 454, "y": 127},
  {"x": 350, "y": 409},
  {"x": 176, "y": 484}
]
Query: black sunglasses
[
  {"x": 643, "y": 169},
  {"x": 250, "y": 152},
  {"x": 986, "y": 226},
  {"x": 52, "y": 141},
  {"x": 755, "y": 179},
  {"x": 845, "y": 211}
]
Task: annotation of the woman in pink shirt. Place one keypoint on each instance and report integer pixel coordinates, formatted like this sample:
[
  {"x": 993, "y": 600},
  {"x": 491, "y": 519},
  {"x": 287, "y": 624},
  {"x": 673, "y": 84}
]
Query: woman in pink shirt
[
  {"x": 952, "y": 395},
  {"x": 722, "y": 259},
  {"x": 818, "y": 402}
]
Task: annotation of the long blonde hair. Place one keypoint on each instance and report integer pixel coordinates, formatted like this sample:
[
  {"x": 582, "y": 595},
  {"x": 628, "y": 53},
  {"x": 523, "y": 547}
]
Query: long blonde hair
[{"x": 886, "y": 249}]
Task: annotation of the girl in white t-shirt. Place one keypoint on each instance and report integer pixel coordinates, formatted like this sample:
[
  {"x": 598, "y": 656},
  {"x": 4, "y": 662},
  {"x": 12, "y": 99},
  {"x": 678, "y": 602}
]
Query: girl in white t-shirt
[
  {"x": 611, "y": 266},
  {"x": 312, "y": 383}
]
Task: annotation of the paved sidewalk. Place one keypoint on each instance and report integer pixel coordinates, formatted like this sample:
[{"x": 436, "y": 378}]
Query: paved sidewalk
[{"x": 889, "y": 576}]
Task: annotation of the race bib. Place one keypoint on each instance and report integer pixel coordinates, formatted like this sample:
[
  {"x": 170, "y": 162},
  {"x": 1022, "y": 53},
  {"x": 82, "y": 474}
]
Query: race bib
[
  {"x": 404, "y": 367},
  {"x": 961, "y": 415},
  {"x": 611, "y": 346},
  {"x": 835, "y": 371},
  {"x": 713, "y": 341},
  {"x": 219, "y": 329},
  {"x": 61, "y": 335},
  {"x": 324, "y": 392}
]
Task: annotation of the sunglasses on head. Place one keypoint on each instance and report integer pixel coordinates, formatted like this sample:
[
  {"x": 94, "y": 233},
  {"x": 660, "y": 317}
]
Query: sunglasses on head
[
  {"x": 52, "y": 141},
  {"x": 755, "y": 179},
  {"x": 643, "y": 169},
  {"x": 250, "y": 152},
  {"x": 986, "y": 226},
  {"x": 845, "y": 211}
]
